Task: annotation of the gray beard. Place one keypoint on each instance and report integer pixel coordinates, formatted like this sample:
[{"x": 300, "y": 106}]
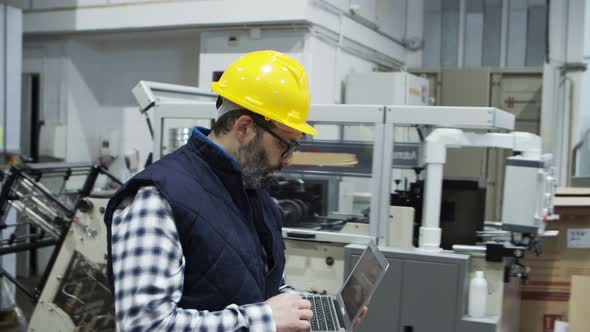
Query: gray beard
[{"x": 254, "y": 165}]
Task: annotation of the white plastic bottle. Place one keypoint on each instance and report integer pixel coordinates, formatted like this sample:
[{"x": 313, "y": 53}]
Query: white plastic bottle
[{"x": 478, "y": 295}]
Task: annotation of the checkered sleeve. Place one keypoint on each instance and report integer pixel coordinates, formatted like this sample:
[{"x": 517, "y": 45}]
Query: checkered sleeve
[
  {"x": 148, "y": 269},
  {"x": 285, "y": 288}
]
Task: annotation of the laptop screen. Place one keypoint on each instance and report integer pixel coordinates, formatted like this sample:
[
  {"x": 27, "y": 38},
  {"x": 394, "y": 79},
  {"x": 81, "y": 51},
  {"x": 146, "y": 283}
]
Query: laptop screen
[{"x": 361, "y": 282}]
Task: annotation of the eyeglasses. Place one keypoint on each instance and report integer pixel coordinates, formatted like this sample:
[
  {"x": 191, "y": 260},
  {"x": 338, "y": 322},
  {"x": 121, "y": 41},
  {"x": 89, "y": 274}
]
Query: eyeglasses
[{"x": 289, "y": 147}]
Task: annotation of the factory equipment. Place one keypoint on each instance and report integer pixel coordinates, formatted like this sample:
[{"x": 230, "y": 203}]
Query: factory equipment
[
  {"x": 77, "y": 295},
  {"x": 515, "y": 90},
  {"x": 58, "y": 206},
  {"x": 462, "y": 199},
  {"x": 441, "y": 277},
  {"x": 44, "y": 215},
  {"x": 171, "y": 131},
  {"x": 528, "y": 205},
  {"x": 528, "y": 192}
]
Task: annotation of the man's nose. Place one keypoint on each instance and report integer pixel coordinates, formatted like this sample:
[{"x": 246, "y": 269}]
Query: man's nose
[{"x": 285, "y": 162}]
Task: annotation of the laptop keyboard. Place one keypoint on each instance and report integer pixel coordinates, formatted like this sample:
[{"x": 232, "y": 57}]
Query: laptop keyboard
[{"x": 323, "y": 314}]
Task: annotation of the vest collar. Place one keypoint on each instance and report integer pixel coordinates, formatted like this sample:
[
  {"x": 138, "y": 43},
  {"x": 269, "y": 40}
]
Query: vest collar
[{"x": 215, "y": 156}]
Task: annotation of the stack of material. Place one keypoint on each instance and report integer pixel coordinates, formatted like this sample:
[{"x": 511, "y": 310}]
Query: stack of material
[
  {"x": 545, "y": 299},
  {"x": 579, "y": 308},
  {"x": 324, "y": 159}
]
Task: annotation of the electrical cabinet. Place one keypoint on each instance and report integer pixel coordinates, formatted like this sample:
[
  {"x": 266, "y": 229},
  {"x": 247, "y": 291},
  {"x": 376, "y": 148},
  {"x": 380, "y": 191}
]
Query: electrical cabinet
[{"x": 420, "y": 293}]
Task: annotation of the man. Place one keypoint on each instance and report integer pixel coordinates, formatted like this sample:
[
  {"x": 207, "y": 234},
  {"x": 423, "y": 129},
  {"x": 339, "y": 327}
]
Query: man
[{"x": 194, "y": 240}]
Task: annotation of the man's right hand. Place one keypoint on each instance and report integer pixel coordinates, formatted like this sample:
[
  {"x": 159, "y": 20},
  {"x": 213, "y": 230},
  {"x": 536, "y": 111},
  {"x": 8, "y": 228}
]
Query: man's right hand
[{"x": 290, "y": 312}]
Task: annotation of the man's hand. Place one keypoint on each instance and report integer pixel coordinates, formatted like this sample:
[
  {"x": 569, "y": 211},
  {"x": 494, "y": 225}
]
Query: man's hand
[
  {"x": 361, "y": 316},
  {"x": 290, "y": 312}
]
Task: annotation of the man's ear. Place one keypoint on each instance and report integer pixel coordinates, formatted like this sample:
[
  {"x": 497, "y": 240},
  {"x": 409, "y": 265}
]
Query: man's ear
[{"x": 244, "y": 129}]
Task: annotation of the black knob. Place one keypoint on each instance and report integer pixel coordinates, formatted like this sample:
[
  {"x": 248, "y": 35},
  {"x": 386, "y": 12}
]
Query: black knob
[
  {"x": 330, "y": 261},
  {"x": 85, "y": 205}
]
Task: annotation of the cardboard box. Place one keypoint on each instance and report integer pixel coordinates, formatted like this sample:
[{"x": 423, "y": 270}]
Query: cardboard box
[
  {"x": 579, "y": 307},
  {"x": 545, "y": 298}
]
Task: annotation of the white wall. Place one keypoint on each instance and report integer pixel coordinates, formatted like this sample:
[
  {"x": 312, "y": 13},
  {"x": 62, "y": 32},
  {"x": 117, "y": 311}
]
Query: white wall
[
  {"x": 10, "y": 104},
  {"x": 329, "y": 71},
  {"x": 563, "y": 122},
  {"x": 10, "y": 76},
  {"x": 217, "y": 52},
  {"x": 326, "y": 67},
  {"x": 53, "y": 4},
  {"x": 87, "y": 84}
]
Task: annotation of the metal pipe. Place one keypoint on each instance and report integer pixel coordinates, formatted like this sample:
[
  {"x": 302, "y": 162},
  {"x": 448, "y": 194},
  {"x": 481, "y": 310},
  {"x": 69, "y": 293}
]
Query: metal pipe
[
  {"x": 504, "y": 33},
  {"x": 20, "y": 286},
  {"x": 432, "y": 195},
  {"x": 20, "y": 239},
  {"x": 571, "y": 116},
  {"x": 469, "y": 249},
  {"x": 326, "y": 5},
  {"x": 564, "y": 155},
  {"x": 47, "y": 193},
  {"x": 337, "y": 55},
  {"x": 578, "y": 146},
  {"x": 53, "y": 257},
  {"x": 494, "y": 233},
  {"x": 435, "y": 157},
  {"x": 461, "y": 37},
  {"x": 27, "y": 246},
  {"x": 35, "y": 217},
  {"x": 494, "y": 224},
  {"x": 430, "y": 232},
  {"x": 5, "y": 80}
]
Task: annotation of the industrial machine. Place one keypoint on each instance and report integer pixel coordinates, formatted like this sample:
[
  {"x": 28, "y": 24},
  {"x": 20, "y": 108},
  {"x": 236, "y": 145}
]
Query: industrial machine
[
  {"x": 171, "y": 131},
  {"x": 53, "y": 205},
  {"x": 44, "y": 215},
  {"x": 77, "y": 295},
  {"x": 441, "y": 277},
  {"x": 453, "y": 213},
  {"x": 515, "y": 90}
]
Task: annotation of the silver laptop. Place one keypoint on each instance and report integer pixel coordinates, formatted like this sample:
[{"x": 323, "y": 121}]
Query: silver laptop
[{"x": 340, "y": 312}]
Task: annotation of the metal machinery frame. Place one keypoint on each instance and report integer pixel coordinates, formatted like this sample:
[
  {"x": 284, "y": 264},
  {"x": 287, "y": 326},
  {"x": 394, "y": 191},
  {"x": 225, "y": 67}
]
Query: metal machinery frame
[
  {"x": 48, "y": 215},
  {"x": 181, "y": 102},
  {"x": 482, "y": 118},
  {"x": 169, "y": 101},
  {"x": 77, "y": 295}
]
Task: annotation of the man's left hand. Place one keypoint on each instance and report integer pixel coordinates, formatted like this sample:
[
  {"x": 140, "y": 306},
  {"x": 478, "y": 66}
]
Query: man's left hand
[{"x": 362, "y": 315}]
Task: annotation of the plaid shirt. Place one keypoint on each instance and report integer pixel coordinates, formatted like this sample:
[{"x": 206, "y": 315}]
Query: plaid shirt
[{"x": 148, "y": 270}]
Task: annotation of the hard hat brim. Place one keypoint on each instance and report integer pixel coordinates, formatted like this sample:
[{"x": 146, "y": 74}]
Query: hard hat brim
[{"x": 302, "y": 127}]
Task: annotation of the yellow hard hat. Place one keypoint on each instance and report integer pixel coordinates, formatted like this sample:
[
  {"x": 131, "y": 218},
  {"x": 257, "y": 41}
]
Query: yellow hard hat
[{"x": 271, "y": 84}]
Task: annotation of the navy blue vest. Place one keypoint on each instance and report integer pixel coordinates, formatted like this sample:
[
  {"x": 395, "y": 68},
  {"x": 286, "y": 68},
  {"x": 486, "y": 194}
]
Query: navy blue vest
[{"x": 231, "y": 237}]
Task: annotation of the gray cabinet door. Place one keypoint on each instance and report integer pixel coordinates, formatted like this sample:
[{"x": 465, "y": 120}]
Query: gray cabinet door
[
  {"x": 384, "y": 308},
  {"x": 428, "y": 301}
]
